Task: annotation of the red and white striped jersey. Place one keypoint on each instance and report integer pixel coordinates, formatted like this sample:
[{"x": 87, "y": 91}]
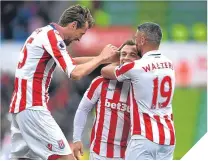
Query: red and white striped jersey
[
  {"x": 152, "y": 88},
  {"x": 111, "y": 127},
  {"x": 42, "y": 51}
]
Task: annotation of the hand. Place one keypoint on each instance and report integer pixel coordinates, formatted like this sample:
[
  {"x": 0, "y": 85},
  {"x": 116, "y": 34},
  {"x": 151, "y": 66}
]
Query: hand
[
  {"x": 78, "y": 149},
  {"x": 120, "y": 47},
  {"x": 109, "y": 54}
]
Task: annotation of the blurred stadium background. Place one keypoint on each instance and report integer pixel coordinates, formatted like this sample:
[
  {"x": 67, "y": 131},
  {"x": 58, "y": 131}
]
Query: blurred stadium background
[{"x": 184, "y": 26}]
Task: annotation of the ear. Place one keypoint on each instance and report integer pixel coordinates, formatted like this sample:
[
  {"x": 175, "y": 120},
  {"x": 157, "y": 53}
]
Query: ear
[
  {"x": 142, "y": 39},
  {"x": 74, "y": 24}
]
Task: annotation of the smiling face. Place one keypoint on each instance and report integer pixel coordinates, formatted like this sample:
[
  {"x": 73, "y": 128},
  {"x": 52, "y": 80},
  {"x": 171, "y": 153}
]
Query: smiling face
[
  {"x": 128, "y": 54},
  {"x": 73, "y": 33}
]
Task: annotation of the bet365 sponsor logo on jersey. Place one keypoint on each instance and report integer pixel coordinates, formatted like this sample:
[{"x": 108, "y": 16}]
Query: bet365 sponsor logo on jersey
[{"x": 119, "y": 106}]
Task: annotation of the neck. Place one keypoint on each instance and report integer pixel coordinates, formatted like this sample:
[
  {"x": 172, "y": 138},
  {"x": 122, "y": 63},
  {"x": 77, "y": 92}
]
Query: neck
[
  {"x": 60, "y": 29},
  {"x": 148, "y": 48}
]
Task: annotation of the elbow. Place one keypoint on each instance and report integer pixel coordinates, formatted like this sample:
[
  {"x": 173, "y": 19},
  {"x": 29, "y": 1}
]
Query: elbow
[
  {"x": 76, "y": 76},
  {"x": 104, "y": 73},
  {"x": 77, "y": 73}
]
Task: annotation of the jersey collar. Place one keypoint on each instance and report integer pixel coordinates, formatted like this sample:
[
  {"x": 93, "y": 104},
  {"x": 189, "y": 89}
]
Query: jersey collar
[
  {"x": 53, "y": 26},
  {"x": 56, "y": 28},
  {"x": 152, "y": 53}
]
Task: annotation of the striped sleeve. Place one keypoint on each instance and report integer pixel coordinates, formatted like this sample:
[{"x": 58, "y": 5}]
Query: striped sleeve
[
  {"x": 124, "y": 71},
  {"x": 56, "y": 47},
  {"x": 94, "y": 90}
]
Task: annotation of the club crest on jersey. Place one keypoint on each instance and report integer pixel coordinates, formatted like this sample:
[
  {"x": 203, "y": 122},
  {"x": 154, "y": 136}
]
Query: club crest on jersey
[
  {"x": 61, "y": 144},
  {"x": 61, "y": 45},
  {"x": 109, "y": 89},
  {"x": 49, "y": 146}
]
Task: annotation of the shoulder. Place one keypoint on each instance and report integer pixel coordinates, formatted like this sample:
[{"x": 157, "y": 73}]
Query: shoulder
[
  {"x": 53, "y": 37},
  {"x": 124, "y": 68},
  {"x": 43, "y": 34},
  {"x": 98, "y": 80},
  {"x": 138, "y": 64}
]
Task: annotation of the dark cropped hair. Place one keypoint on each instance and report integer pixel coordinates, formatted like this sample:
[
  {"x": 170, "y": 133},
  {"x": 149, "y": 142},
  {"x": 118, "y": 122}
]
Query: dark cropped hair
[
  {"x": 152, "y": 32},
  {"x": 128, "y": 42}
]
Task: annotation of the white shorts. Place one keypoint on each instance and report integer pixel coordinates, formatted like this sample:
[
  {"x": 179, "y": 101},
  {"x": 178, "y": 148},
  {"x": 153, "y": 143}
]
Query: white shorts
[
  {"x": 144, "y": 149},
  {"x": 94, "y": 156},
  {"x": 36, "y": 135}
]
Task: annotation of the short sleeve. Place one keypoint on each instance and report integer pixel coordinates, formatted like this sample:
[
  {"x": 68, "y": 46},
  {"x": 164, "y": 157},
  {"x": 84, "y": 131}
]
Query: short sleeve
[
  {"x": 124, "y": 71},
  {"x": 56, "y": 47}
]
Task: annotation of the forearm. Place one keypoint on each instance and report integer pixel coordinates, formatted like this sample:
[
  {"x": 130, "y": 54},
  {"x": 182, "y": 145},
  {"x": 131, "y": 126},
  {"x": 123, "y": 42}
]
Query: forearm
[
  {"x": 106, "y": 56},
  {"x": 86, "y": 68},
  {"x": 108, "y": 71},
  {"x": 80, "y": 119},
  {"x": 82, "y": 60},
  {"x": 79, "y": 124}
]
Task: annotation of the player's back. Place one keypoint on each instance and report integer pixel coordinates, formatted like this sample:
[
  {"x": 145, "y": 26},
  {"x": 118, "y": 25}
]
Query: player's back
[
  {"x": 33, "y": 53},
  {"x": 33, "y": 72},
  {"x": 156, "y": 81},
  {"x": 153, "y": 83}
]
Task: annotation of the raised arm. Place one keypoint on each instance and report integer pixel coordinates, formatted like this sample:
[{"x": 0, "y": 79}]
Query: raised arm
[
  {"x": 82, "y": 60},
  {"x": 107, "y": 55},
  {"x": 57, "y": 49}
]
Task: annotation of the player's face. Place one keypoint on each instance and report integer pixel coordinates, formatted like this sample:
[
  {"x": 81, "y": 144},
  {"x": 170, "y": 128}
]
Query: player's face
[
  {"x": 128, "y": 54},
  {"x": 75, "y": 34},
  {"x": 139, "y": 41}
]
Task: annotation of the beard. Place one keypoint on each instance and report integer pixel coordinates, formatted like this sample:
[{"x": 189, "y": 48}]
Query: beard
[
  {"x": 67, "y": 42},
  {"x": 139, "y": 53}
]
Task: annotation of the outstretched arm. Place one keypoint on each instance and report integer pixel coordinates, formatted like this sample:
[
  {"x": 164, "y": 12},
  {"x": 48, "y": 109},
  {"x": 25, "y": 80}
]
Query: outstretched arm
[
  {"x": 82, "y": 60},
  {"x": 55, "y": 46},
  {"x": 107, "y": 55}
]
